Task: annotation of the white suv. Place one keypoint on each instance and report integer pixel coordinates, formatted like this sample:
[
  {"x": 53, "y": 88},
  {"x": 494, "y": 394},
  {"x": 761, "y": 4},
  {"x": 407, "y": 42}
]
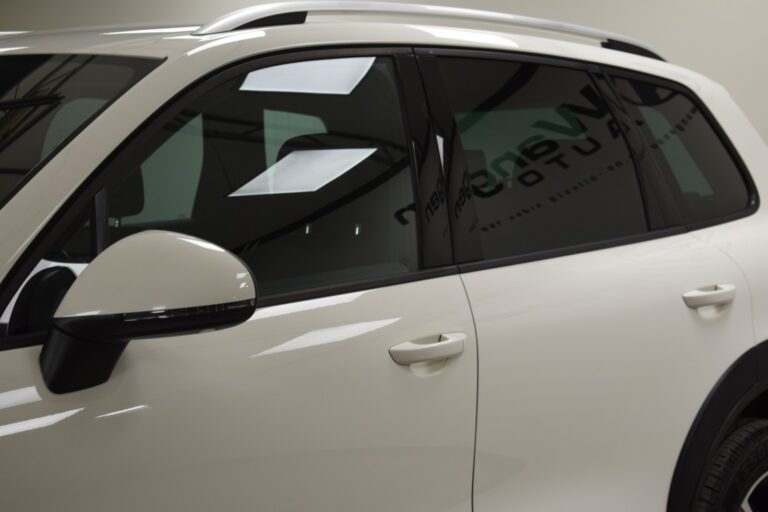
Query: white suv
[{"x": 376, "y": 257}]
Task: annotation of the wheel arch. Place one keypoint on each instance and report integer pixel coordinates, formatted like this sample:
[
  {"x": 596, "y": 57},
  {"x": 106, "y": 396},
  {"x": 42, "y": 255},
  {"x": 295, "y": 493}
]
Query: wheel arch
[{"x": 741, "y": 391}]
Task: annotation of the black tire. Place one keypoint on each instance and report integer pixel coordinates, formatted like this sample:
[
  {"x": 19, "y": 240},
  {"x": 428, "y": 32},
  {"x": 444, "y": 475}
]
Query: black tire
[{"x": 740, "y": 463}]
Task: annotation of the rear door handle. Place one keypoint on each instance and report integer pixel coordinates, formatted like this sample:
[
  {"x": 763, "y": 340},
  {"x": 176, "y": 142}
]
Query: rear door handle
[
  {"x": 412, "y": 352},
  {"x": 717, "y": 295}
]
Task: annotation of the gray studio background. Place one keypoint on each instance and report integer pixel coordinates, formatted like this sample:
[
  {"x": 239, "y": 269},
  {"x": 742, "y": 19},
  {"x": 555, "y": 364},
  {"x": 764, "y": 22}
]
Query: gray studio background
[{"x": 725, "y": 40}]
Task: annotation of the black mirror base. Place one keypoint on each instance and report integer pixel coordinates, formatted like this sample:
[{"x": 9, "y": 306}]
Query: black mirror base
[{"x": 70, "y": 364}]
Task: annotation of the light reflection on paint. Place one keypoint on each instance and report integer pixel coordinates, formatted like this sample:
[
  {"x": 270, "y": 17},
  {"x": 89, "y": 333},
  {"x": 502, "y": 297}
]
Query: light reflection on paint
[
  {"x": 88, "y": 313},
  {"x": 19, "y": 397},
  {"x": 472, "y": 36},
  {"x": 229, "y": 39},
  {"x": 328, "y": 335},
  {"x": 13, "y": 49},
  {"x": 307, "y": 305},
  {"x": 202, "y": 243},
  {"x": 169, "y": 30},
  {"x": 36, "y": 423},
  {"x": 123, "y": 411}
]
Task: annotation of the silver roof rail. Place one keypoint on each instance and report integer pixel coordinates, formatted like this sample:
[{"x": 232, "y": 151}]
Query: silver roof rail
[{"x": 285, "y": 13}]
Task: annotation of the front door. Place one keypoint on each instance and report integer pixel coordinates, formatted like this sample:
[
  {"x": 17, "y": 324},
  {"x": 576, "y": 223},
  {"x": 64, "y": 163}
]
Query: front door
[{"x": 317, "y": 402}]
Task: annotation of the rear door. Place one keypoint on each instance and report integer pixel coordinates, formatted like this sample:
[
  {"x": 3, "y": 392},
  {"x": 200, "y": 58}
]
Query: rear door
[
  {"x": 602, "y": 325},
  {"x": 313, "y": 169}
]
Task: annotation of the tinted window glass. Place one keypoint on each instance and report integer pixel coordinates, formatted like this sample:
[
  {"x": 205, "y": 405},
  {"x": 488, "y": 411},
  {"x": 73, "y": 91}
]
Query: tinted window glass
[
  {"x": 700, "y": 171},
  {"x": 547, "y": 163},
  {"x": 298, "y": 169},
  {"x": 170, "y": 178},
  {"x": 44, "y": 99}
]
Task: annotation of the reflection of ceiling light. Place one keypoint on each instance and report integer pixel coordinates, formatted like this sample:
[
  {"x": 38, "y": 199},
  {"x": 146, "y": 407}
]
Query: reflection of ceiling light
[
  {"x": 329, "y": 76},
  {"x": 13, "y": 49},
  {"x": 170, "y": 30},
  {"x": 203, "y": 244},
  {"x": 303, "y": 171},
  {"x": 123, "y": 411},
  {"x": 35, "y": 423},
  {"x": 221, "y": 40},
  {"x": 307, "y": 305},
  {"x": 12, "y": 32},
  {"x": 328, "y": 335},
  {"x": 19, "y": 397},
  {"x": 472, "y": 36}
]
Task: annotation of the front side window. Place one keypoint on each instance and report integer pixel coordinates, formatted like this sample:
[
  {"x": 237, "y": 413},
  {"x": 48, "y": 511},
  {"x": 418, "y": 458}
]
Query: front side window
[
  {"x": 699, "y": 170},
  {"x": 44, "y": 99},
  {"x": 299, "y": 169},
  {"x": 547, "y": 162}
]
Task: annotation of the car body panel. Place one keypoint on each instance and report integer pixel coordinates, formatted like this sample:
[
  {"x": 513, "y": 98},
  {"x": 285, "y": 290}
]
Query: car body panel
[
  {"x": 588, "y": 379},
  {"x": 266, "y": 417},
  {"x": 299, "y": 408},
  {"x": 745, "y": 240}
]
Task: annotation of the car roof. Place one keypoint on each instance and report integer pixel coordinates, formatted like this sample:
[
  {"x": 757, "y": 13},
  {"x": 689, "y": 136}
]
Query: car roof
[
  {"x": 337, "y": 29},
  {"x": 145, "y": 41}
]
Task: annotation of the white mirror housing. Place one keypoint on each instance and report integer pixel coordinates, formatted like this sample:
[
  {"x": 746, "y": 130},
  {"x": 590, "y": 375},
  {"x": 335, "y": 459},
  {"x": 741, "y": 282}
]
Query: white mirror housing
[
  {"x": 150, "y": 284},
  {"x": 155, "y": 271}
]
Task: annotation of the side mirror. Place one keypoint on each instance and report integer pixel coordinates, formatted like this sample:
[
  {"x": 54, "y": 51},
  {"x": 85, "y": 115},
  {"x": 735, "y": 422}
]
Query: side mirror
[{"x": 149, "y": 284}]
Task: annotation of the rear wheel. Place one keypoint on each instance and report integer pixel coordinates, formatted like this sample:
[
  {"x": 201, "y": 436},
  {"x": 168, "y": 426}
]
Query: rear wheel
[{"x": 737, "y": 479}]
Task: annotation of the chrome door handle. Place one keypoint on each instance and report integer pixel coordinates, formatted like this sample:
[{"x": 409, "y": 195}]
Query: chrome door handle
[
  {"x": 717, "y": 295},
  {"x": 412, "y": 352}
]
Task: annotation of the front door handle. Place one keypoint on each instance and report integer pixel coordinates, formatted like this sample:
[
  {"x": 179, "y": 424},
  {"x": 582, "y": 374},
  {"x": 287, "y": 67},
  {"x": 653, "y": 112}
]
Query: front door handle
[
  {"x": 412, "y": 352},
  {"x": 717, "y": 295}
]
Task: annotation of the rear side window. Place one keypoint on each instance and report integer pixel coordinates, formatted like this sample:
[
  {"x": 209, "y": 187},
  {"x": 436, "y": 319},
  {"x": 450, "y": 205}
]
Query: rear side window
[
  {"x": 699, "y": 170},
  {"x": 548, "y": 165}
]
